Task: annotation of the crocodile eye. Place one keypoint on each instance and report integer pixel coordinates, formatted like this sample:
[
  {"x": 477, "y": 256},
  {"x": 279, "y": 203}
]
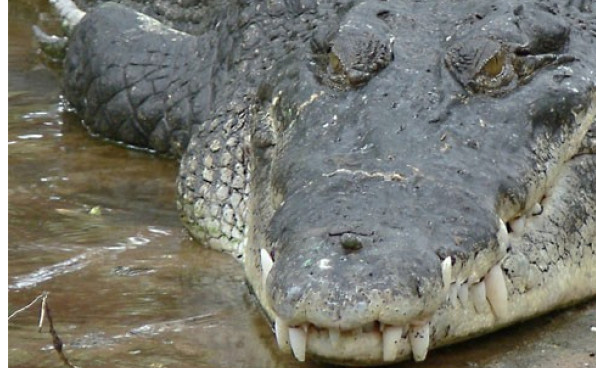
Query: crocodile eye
[
  {"x": 494, "y": 66},
  {"x": 352, "y": 58},
  {"x": 481, "y": 65},
  {"x": 506, "y": 54},
  {"x": 335, "y": 63}
]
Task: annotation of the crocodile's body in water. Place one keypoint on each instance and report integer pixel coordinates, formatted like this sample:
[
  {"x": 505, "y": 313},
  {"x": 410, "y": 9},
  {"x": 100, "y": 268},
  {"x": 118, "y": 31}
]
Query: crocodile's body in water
[{"x": 395, "y": 175}]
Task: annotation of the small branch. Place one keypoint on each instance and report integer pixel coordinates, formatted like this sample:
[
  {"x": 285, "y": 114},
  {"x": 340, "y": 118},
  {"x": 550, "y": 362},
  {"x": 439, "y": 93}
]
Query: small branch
[
  {"x": 46, "y": 315},
  {"x": 55, "y": 338},
  {"x": 42, "y": 314},
  {"x": 42, "y": 295}
]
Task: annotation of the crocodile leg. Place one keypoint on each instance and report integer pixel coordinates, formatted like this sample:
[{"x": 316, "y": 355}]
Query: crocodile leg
[{"x": 137, "y": 81}]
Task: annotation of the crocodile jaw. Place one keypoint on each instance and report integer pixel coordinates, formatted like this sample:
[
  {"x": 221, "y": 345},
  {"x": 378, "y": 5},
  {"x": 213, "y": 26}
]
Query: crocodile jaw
[
  {"x": 470, "y": 309},
  {"x": 474, "y": 304}
]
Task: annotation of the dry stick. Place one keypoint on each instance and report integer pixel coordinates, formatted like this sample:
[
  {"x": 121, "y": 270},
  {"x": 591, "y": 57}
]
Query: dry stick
[
  {"x": 55, "y": 338},
  {"x": 45, "y": 314},
  {"x": 42, "y": 314},
  {"x": 42, "y": 295}
]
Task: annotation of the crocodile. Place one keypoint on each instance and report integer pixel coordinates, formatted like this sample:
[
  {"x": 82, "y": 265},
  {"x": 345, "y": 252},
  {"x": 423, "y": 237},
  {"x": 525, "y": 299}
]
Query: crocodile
[{"x": 395, "y": 176}]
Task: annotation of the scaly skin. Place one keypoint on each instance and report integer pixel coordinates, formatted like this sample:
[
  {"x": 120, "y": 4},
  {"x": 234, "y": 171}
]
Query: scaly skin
[{"x": 395, "y": 175}]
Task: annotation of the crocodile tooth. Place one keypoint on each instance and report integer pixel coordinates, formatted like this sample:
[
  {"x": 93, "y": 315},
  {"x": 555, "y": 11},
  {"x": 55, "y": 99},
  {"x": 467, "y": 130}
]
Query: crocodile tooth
[
  {"x": 537, "y": 209},
  {"x": 446, "y": 271},
  {"x": 334, "y": 336},
  {"x": 391, "y": 338},
  {"x": 419, "y": 340},
  {"x": 478, "y": 294},
  {"x": 462, "y": 293},
  {"x": 518, "y": 224},
  {"x": 502, "y": 235},
  {"x": 496, "y": 291},
  {"x": 298, "y": 342},
  {"x": 266, "y": 265},
  {"x": 282, "y": 333}
]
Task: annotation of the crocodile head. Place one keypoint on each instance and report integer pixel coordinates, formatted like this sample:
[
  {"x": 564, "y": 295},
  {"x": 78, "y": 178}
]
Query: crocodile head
[
  {"x": 421, "y": 172},
  {"x": 435, "y": 194}
]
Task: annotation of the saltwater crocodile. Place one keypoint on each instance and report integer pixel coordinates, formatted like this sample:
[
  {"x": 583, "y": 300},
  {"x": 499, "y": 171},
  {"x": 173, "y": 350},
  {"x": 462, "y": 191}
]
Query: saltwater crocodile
[{"x": 395, "y": 175}]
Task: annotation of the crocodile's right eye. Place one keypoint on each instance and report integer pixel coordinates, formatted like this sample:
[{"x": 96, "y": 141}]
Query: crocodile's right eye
[{"x": 351, "y": 57}]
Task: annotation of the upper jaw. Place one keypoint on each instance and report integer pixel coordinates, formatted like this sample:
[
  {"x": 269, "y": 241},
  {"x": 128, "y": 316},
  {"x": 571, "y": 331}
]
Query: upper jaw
[
  {"x": 381, "y": 258},
  {"x": 346, "y": 301},
  {"x": 331, "y": 279}
]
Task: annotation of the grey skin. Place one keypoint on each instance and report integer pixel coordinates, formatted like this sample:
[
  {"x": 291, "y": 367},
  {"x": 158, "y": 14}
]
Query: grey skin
[{"x": 395, "y": 175}]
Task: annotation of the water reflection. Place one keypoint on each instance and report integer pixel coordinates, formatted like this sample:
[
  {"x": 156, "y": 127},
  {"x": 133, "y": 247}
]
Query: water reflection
[{"x": 95, "y": 225}]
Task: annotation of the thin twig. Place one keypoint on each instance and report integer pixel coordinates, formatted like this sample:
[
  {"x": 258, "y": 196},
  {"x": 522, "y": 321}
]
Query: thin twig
[
  {"x": 42, "y": 314},
  {"x": 45, "y": 315},
  {"x": 55, "y": 338},
  {"x": 42, "y": 295}
]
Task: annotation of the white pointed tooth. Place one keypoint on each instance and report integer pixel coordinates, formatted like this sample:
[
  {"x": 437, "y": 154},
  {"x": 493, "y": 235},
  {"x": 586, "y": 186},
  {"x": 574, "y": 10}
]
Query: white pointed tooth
[
  {"x": 446, "y": 271},
  {"x": 496, "y": 291},
  {"x": 478, "y": 294},
  {"x": 298, "y": 342},
  {"x": 419, "y": 337},
  {"x": 266, "y": 265},
  {"x": 502, "y": 235},
  {"x": 462, "y": 293},
  {"x": 282, "y": 333},
  {"x": 518, "y": 224},
  {"x": 537, "y": 209},
  {"x": 334, "y": 336},
  {"x": 391, "y": 339}
]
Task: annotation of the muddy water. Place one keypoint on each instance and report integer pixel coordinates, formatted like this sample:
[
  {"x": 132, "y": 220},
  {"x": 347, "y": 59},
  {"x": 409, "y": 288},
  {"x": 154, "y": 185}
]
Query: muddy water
[{"x": 95, "y": 225}]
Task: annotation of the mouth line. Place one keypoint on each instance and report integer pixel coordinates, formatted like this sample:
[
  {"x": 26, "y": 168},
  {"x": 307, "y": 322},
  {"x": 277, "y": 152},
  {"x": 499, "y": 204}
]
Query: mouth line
[{"x": 488, "y": 294}]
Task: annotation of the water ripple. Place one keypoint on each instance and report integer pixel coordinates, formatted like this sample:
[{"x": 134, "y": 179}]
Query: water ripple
[{"x": 46, "y": 273}]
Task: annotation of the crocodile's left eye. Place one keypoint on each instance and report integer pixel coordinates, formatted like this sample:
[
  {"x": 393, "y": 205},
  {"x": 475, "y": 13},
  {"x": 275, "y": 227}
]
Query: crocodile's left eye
[
  {"x": 494, "y": 66},
  {"x": 506, "y": 54},
  {"x": 485, "y": 65},
  {"x": 481, "y": 65},
  {"x": 335, "y": 63}
]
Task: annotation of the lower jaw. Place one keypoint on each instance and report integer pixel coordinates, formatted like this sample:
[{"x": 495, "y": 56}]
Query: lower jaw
[
  {"x": 460, "y": 318},
  {"x": 455, "y": 321}
]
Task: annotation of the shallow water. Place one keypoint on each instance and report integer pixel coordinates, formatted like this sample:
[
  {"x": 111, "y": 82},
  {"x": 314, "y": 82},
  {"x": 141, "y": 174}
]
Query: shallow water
[{"x": 95, "y": 225}]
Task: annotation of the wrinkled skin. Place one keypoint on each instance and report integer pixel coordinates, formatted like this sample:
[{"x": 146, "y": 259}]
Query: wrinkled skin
[{"x": 395, "y": 175}]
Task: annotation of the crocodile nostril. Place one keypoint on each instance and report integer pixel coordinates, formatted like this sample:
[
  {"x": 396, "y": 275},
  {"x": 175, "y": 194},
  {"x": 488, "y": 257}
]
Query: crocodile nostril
[{"x": 350, "y": 242}]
